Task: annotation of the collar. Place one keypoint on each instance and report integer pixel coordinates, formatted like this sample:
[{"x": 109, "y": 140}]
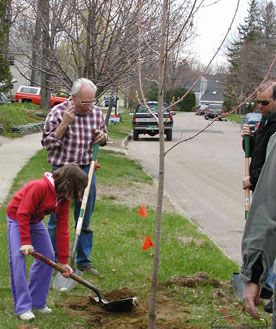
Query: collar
[{"x": 50, "y": 178}]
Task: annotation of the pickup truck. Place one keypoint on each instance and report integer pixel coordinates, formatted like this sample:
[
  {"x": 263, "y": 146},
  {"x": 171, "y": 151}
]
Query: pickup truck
[
  {"x": 144, "y": 122},
  {"x": 29, "y": 94}
]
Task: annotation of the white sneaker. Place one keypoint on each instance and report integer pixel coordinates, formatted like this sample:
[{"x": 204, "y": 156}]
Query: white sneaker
[
  {"x": 27, "y": 316},
  {"x": 44, "y": 310}
]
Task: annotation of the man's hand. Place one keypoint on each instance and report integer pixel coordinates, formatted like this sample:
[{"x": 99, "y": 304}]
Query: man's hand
[
  {"x": 67, "y": 270},
  {"x": 246, "y": 182},
  {"x": 26, "y": 249},
  {"x": 67, "y": 119},
  {"x": 101, "y": 137},
  {"x": 69, "y": 115},
  {"x": 251, "y": 299},
  {"x": 245, "y": 130}
]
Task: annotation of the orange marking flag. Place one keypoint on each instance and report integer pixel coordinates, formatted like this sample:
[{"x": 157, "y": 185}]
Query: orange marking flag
[
  {"x": 148, "y": 243},
  {"x": 142, "y": 211}
]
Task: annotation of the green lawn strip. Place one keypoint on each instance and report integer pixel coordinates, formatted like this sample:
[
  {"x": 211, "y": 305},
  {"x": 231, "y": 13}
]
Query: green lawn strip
[
  {"x": 122, "y": 129},
  {"x": 235, "y": 117},
  {"x": 19, "y": 114},
  {"x": 117, "y": 170},
  {"x": 119, "y": 235}
]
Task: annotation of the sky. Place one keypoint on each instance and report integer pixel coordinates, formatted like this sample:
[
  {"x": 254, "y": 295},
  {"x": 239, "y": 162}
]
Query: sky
[{"x": 212, "y": 24}]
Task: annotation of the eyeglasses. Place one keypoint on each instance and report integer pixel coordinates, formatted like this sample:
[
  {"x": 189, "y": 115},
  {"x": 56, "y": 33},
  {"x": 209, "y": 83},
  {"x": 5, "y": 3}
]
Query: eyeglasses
[
  {"x": 87, "y": 103},
  {"x": 263, "y": 103}
]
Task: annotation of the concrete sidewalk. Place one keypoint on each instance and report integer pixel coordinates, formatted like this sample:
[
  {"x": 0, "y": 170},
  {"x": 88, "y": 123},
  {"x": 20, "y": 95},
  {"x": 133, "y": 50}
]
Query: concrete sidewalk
[{"x": 14, "y": 154}]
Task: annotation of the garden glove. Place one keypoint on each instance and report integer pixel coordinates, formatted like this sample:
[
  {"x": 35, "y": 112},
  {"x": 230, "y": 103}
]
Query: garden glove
[{"x": 26, "y": 249}]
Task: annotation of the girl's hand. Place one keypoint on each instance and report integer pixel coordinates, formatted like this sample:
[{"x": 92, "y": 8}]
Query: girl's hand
[
  {"x": 26, "y": 249},
  {"x": 67, "y": 270}
]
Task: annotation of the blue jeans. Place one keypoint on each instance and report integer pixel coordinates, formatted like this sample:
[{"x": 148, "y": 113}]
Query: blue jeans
[
  {"x": 271, "y": 278},
  {"x": 85, "y": 243}
]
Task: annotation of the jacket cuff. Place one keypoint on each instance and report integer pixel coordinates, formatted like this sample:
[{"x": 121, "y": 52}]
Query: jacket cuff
[
  {"x": 63, "y": 260},
  {"x": 255, "y": 267}
]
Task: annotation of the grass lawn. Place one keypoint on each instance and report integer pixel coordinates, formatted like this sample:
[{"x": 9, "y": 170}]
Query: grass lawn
[
  {"x": 120, "y": 131},
  {"x": 194, "y": 275},
  {"x": 235, "y": 117},
  {"x": 19, "y": 114}
]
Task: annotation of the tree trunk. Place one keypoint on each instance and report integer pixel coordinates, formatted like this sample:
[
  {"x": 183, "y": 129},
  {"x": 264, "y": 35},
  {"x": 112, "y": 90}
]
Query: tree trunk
[
  {"x": 45, "y": 78},
  {"x": 35, "y": 75},
  {"x": 162, "y": 66}
]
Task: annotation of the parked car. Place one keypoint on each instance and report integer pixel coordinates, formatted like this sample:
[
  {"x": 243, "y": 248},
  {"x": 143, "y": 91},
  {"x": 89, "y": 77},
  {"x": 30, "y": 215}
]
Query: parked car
[
  {"x": 144, "y": 122},
  {"x": 252, "y": 119},
  {"x": 213, "y": 111},
  {"x": 201, "y": 109},
  {"x": 30, "y": 94}
]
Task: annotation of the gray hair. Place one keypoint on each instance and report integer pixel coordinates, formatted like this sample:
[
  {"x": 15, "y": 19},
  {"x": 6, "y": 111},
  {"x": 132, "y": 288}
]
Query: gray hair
[{"x": 78, "y": 84}]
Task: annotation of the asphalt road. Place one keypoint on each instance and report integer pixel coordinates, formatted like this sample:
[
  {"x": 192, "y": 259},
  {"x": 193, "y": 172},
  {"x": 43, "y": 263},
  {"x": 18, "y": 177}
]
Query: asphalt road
[{"x": 202, "y": 177}]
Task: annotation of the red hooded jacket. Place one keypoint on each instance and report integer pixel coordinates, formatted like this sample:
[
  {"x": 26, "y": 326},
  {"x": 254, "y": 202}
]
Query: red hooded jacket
[{"x": 30, "y": 205}]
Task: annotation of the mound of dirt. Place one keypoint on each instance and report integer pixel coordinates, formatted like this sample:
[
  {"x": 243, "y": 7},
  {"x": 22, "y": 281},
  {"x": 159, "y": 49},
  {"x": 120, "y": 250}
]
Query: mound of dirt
[
  {"x": 170, "y": 313},
  {"x": 194, "y": 281}
]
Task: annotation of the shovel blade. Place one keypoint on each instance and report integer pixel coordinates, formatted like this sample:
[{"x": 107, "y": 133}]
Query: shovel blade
[
  {"x": 238, "y": 285},
  {"x": 118, "y": 306},
  {"x": 65, "y": 284}
]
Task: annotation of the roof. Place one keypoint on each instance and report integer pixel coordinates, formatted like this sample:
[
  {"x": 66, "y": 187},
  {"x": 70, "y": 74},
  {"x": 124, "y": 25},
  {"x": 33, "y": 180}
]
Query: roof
[
  {"x": 213, "y": 92},
  {"x": 196, "y": 88}
]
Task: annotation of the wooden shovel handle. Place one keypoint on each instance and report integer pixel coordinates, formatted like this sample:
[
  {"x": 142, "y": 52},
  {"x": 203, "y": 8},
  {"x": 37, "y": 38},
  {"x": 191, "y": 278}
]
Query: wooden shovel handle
[
  {"x": 73, "y": 276},
  {"x": 247, "y": 163}
]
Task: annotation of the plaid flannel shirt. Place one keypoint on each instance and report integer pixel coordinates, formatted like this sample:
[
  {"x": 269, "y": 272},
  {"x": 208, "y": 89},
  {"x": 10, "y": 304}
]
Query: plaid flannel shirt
[{"x": 77, "y": 143}]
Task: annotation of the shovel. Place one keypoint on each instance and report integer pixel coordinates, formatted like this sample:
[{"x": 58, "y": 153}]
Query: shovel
[
  {"x": 238, "y": 284},
  {"x": 120, "y": 305},
  {"x": 60, "y": 282},
  {"x": 247, "y": 190}
]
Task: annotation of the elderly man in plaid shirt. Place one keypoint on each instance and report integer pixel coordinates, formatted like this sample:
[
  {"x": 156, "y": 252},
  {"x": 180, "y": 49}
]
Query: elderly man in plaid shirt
[{"x": 70, "y": 130}]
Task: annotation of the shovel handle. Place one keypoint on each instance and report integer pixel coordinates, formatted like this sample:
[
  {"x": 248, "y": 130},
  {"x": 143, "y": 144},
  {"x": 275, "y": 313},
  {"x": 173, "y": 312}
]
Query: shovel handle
[
  {"x": 83, "y": 204},
  {"x": 72, "y": 275},
  {"x": 247, "y": 160},
  {"x": 87, "y": 189}
]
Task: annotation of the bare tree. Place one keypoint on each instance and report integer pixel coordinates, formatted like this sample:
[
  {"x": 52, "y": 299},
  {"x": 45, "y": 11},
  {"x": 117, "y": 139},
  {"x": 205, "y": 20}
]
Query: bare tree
[{"x": 94, "y": 38}]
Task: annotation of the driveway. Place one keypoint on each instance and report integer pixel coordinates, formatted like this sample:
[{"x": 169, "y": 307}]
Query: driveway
[{"x": 203, "y": 177}]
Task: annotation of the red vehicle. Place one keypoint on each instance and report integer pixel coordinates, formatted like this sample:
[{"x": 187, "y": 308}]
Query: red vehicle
[{"x": 29, "y": 94}]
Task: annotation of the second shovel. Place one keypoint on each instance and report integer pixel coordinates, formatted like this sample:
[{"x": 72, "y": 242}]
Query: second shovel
[{"x": 60, "y": 282}]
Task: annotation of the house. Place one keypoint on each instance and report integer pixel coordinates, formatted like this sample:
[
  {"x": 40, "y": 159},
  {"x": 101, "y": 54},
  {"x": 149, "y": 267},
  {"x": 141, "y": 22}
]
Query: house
[
  {"x": 207, "y": 90},
  {"x": 212, "y": 92}
]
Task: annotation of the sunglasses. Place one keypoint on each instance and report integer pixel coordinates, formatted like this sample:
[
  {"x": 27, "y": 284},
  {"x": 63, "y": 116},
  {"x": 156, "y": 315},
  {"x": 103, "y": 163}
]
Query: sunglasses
[{"x": 263, "y": 103}]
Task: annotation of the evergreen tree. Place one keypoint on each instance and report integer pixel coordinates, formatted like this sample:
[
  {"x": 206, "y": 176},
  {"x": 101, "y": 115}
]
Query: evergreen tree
[
  {"x": 244, "y": 57},
  {"x": 268, "y": 24},
  {"x": 251, "y": 29}
]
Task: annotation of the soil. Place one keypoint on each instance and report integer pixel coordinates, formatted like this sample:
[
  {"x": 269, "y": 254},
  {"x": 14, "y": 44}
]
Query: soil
[
  {"x": 171, "y": 314},
  {"x": 132, "y": 196}
]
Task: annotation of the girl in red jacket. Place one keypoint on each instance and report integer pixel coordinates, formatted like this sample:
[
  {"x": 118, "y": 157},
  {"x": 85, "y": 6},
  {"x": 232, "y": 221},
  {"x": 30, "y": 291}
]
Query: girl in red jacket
[{"x": 26, "y": 232}]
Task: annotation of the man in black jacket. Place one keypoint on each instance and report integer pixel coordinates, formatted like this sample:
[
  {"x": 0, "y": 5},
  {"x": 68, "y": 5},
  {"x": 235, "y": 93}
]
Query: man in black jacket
[{"x": 266, "y": 100}]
